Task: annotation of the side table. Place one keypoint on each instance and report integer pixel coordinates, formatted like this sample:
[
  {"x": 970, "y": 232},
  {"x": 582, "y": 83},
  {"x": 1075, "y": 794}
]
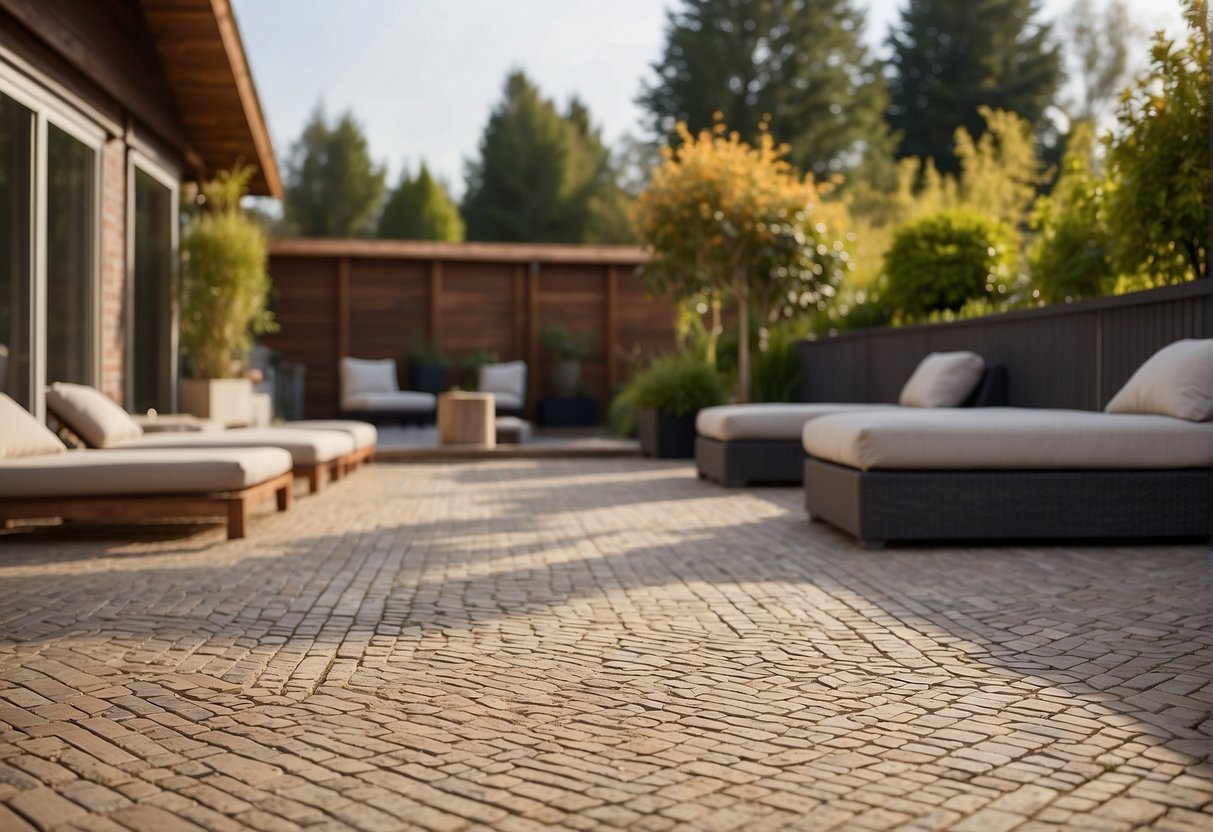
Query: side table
[{"x": 467, "y": 419}]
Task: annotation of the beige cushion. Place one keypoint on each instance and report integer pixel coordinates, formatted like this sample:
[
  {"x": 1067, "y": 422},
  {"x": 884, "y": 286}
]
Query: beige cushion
[
  {"x": 506, "y": 379},
  {"x": 1175, "y": 381},
  {"x": 364, "y": 434},
  {"x": 307, "y": 447},
  {"x": 91, "y": 415},
  {"x": 21, "y": 435},
  {"x": 400, "y": 401},
  {"x": 943, "y": 379},
  {"x": 1008, "y": 438},
  {"x": 360, "y": 375},
  {"x": 507, "y": 401},
  {"x": 117, "y": 471},
  {"x": 774, "y": 421}
]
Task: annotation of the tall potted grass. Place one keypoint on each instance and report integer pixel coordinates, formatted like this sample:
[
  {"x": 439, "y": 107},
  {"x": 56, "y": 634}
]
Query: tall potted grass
[
  {"x": 669, "y": 394},
  {"x": 223, "y": 298}
]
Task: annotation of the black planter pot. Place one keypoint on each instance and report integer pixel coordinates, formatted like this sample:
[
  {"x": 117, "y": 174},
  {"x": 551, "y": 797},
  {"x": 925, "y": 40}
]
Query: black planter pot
[
  {"x": 666, "y": 436},
  {"x": 427, "y": 378},
  {"x": 568, "y": 413}
]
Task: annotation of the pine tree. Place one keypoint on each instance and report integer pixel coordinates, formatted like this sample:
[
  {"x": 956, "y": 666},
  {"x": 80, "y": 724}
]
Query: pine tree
[
  {"x": 332, "y": 187},
  {"x": 541, "y": 176},
  {"x": 420, "y": 209},
  {"x": 799, "y": 62},
  {"x": 950, "y": 57}
]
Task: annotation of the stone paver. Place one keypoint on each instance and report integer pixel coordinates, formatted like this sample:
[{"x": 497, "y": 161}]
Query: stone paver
[{"x": 593, "y": 645}]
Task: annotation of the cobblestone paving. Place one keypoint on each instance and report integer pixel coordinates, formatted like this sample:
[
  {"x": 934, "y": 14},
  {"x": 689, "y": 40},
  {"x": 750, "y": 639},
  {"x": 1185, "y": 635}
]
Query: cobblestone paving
[{"x": 593, "y": 645}]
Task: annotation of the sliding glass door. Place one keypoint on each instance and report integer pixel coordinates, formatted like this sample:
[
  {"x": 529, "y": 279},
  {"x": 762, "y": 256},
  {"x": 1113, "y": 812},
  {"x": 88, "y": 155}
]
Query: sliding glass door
[
  {"x": 152, "y": 348},
  {"x": 71, "y": 244},
  {"x": 16, "y": 264},
  {"x": 49, "y": 233}
]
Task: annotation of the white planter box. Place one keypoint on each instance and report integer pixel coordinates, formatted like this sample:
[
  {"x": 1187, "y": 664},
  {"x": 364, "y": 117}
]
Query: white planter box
[{"x": 228, "y": 401}]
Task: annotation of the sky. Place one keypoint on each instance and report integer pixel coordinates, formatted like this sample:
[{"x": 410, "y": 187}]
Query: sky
[{"x": 422, "y": 76}]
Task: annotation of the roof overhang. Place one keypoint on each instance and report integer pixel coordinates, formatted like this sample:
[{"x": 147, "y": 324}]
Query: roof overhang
[{"x": 204, "y": 62}]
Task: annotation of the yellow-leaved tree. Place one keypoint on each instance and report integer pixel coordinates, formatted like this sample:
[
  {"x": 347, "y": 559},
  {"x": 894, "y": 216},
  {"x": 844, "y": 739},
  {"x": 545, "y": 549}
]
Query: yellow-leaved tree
[{"x": 722, "y": 215}]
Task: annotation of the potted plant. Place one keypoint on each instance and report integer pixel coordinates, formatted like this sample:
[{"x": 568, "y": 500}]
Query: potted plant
[
  {"x": 668, "y": 396},
  {"x": 472, "y": 363},
  {"x": 427, "y": 367},
  {"x": 223, "y": 298},
  {"x": 567, "y": 350}
]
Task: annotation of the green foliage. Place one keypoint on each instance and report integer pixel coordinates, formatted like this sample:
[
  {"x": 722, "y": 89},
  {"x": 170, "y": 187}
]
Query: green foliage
[
  {"x": 542, "y": 176},
  {"x": 1071, "y": 256},
  {"x": 425, "y": 351},
  {"x": 563, "y": 344},
  {"x": 678, "y": 384},
  {"x": 996, "y": 54},
  {"x": 722, "y": 216},
  {"x": 333, "y": 189},
  {"x": 224, "y": 282},
  {"x": 792, "y": 61},
  {"x": 777, "y": 373},
  {"x": 942, "y": 261},
  {"x": 623, "y": 417},
  {"x": 1159, "y": 213},
  {"x": 420, "y": 209}
]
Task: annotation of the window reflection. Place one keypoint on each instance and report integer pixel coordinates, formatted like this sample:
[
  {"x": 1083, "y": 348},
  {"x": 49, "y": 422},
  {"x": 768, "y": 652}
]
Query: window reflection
[
  {"x": 152, "y": 345},
  {"x": 70, "y": 198},
  {"x": 16, "y": 279}
]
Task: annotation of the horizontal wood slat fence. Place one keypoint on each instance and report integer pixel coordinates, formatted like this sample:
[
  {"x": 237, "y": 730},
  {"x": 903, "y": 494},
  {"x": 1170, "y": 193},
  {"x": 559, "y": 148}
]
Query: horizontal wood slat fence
[
  {"x": 1071, "y": 355},
  {"x": 376, "y": 298}
]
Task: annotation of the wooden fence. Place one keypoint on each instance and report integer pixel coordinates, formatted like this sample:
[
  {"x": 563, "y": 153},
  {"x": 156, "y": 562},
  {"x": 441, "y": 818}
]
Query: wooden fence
[
  {"x": 1073, "y": 355},
  {"x": 375, "y": 298}
]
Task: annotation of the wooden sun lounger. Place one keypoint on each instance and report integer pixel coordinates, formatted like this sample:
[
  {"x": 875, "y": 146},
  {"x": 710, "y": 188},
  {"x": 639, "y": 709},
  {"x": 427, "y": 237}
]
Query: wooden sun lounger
[{"x": 233, "y": 506}]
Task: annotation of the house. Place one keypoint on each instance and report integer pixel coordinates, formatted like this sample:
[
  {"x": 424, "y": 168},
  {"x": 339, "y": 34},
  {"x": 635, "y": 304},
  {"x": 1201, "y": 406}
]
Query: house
[{"x": 106, "y": 108}]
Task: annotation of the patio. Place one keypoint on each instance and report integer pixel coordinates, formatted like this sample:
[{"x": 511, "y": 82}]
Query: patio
[{"x": 593, "y": 644}]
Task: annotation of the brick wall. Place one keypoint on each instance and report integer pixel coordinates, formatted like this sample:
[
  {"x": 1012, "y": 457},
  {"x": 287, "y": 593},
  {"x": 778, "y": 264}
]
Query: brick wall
[{"x": 113, "y": 270}]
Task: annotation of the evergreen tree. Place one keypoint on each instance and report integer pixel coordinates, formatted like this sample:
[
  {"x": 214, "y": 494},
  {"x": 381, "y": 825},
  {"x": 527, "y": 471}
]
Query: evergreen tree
[
  {"x": 420, "y": 209},
  {"x": 332, "y": 187},
  {"x": 950, "y": 57},
  {"x": 799, "y": 62},
  {"x": 542, "y": 176}
]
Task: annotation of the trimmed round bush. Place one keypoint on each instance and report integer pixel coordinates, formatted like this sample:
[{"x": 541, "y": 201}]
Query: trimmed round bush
[{"x": 942, "y": 261}]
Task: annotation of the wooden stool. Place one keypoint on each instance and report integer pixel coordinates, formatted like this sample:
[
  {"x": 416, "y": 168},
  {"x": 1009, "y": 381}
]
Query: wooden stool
[{"x": 467, "y": 419}]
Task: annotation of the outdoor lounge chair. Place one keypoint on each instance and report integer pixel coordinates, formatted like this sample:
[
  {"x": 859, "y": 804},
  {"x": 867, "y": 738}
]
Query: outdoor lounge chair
[
  {"x": 761, "y": 443},
  {"x": 371, "y": 392},
  {"x": 364, "y": 435},
  {"x": 40, "y": 478},
  {"x": 507, "y": 382},
  {"x": 1141, "y": 470},
  {"x": 101, "y": 423}
]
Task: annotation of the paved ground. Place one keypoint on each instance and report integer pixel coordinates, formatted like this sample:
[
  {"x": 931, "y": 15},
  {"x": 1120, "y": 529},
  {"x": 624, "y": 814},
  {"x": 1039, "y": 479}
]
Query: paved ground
[{"x": 593, "y": 644}]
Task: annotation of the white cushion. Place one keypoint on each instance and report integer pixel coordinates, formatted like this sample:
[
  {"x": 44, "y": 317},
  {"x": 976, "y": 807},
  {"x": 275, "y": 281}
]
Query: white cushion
[
  {"x": 360, "y": 376},
  {"x": 364, "y": 434},
  {"x": 1175, "y": 381},
  {"x": 400, "y": 401},
  {"x": 943, "y": 379},
  {"x": 91, "y": 415},
  {"x": 21, "y": 435},
  {"x": 770, "y": 421},
  {"x": 1008, "y": 438},
  {"x": 307, "y": 447},
  {"x": 117, "y": 471},
  {"x": 508, "y": 378}
]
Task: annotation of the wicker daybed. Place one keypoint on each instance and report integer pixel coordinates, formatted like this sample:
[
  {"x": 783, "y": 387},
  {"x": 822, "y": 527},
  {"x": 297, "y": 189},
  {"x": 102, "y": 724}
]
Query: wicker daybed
[{"x": 1143, "y": 470}]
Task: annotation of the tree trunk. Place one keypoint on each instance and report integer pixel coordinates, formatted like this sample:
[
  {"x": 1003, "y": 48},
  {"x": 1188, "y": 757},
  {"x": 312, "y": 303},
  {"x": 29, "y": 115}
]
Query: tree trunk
[
  {"x": 743, "y": 341},
  {"x": 717, "y": 327}
]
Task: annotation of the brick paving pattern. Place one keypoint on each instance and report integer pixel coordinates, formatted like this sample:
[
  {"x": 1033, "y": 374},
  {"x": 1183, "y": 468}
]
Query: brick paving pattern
[{"x": 593, "y": 645}]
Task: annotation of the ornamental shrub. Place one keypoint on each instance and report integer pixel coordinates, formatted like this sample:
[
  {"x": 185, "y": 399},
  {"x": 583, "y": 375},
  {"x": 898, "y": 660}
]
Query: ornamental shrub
[
  {"x": 943, "y": 260},
  {"x": 679, "y": 385},
  {"x": 225, "y": 284}
]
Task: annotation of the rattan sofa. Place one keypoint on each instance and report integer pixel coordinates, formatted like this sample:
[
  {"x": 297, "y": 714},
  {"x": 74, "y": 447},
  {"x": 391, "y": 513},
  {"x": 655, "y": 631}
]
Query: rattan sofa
[{"x": 1142, "y": 471}]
